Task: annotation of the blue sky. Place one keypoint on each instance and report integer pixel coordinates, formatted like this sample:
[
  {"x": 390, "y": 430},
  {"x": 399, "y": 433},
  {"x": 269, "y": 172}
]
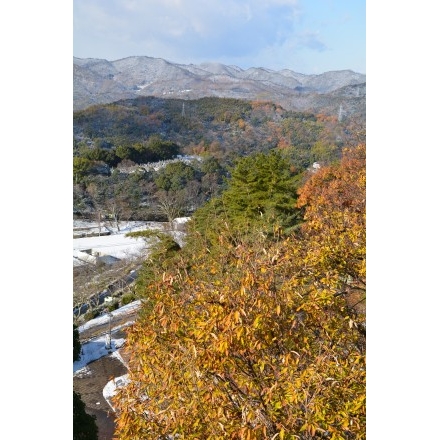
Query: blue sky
[{"x": 306, "y": 36}]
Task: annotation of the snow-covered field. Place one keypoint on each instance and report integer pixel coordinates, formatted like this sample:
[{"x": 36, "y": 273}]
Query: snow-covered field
[{"x": 116, "y": 244}]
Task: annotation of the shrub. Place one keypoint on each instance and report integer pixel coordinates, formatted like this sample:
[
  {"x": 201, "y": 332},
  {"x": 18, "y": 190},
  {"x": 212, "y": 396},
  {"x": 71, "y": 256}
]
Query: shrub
[
  {"x": 113, "y": 306},
  {"x": 127, "y": 299},
  {"x": 91, "y": 314}
]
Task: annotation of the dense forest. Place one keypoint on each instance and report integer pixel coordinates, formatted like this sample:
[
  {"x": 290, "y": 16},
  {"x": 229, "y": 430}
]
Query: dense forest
[
  {"x": 256, "y": 327},
  {"x": 113, "y": 143}
]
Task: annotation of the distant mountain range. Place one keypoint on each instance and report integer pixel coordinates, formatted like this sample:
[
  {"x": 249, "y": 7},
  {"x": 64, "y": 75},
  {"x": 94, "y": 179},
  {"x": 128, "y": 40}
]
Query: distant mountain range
[{"x": 98, "y": 81}]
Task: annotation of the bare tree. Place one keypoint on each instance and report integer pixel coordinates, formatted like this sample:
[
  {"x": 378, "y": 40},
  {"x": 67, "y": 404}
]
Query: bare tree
[
  {"x": 171, "y": 204},
  {"x": 97, "y": 195},
  {"x": 115, "y": 210},
  {"x": 193, "y": 195}
]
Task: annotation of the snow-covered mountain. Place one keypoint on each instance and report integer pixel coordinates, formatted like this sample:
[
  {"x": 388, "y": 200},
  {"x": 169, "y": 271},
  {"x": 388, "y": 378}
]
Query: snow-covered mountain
[{"x": 99, "y": 81}]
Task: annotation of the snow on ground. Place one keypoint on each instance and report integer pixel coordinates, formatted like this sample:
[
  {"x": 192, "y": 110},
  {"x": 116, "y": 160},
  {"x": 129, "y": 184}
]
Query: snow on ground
[
  {"x": 119, "y": 246},
  {"x": 112, "y": 387},
  {"x": 103, "y": 319},
  {"x": 116, "y": 244},
  {"x": 96, "y": 348},
  {"x": 124, "y": 227}
]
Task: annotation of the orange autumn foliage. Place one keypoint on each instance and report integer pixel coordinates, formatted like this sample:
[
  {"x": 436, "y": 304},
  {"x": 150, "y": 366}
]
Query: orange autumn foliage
[{"x": 257, "y": 340}]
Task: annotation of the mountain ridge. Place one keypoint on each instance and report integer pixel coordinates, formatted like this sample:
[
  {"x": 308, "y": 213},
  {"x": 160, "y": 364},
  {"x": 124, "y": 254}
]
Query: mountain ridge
[{"x": 99, "y": 81}]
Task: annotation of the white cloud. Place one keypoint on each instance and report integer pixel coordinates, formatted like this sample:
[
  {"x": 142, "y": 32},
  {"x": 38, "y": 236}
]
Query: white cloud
[
  {"x": 312, "y": 40},
  {"x": 182, "y": 29},
  {"x": 266, "y": 33}
]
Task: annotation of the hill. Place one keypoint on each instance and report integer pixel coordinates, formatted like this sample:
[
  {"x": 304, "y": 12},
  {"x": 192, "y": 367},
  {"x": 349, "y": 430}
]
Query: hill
[
  {"x": 99, "y": 81},
  {"x": 216, "y": 125}
]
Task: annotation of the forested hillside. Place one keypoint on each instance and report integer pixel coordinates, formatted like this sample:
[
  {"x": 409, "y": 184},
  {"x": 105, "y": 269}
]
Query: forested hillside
[
  {"x": 255, "y": 329},
  {"x": 111, "y": 141}
]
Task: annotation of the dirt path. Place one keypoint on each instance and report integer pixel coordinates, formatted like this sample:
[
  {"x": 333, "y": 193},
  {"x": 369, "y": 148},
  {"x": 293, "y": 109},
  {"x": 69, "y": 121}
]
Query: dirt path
[
  {"x": 90, "y": 382},
  {"x": 90, "y": 387}
]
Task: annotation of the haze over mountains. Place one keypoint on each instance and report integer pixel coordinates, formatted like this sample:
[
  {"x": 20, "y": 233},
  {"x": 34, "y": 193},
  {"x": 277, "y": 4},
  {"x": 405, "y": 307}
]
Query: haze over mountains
[{"x": 98, "y": 81}]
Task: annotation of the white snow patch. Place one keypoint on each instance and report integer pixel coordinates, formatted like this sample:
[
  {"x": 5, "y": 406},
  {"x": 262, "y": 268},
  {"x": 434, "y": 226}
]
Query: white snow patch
[
  {"x": 103, "y": 319},
  {"x": 112, "y": 387}
]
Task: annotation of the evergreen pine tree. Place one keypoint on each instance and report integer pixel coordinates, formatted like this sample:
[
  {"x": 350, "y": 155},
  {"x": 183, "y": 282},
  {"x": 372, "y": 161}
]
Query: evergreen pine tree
[
  {"x": 76, "y": 344},
  {"x": 84, "y": 425},
  {"x": 261, "y": 194}
]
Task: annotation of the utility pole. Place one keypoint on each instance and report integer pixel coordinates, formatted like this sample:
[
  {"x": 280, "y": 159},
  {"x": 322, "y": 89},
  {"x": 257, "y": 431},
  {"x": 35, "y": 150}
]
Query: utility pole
[
  {"x": 108, "y": 342},
  {"x": 183, "y": 109},
  {"x": 340, "y": 113}
]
